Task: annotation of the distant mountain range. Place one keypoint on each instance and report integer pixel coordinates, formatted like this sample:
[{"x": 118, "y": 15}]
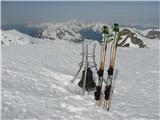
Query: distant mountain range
[{"x": 74, "y": 31}]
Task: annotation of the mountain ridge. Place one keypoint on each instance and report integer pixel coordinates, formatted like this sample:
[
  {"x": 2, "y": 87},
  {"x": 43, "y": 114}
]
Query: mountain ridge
[{"x": 77, "y": 32}]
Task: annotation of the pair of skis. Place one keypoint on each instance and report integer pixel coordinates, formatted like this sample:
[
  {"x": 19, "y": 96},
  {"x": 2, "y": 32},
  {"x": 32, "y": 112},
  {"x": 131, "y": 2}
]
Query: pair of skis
[{"x": 108, "y": 88}]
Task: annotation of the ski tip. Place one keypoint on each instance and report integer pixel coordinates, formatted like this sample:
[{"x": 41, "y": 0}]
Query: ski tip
[
  {"x": 116, "y": 24},
  {"x": 116, "y": 27},
  {"x": 104, "y": 27},
  {"x": 105, "y": 30}
]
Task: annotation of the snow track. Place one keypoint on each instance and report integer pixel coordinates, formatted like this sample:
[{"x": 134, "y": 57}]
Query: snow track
[{"x": 36, "y": 84}]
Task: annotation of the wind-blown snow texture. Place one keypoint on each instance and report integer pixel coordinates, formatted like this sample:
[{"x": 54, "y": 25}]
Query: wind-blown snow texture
[{"x": 36, "y": 84}]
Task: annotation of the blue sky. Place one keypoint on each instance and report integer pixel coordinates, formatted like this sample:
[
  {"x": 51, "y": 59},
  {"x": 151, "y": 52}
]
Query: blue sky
[{"x": 122, "y": 12}]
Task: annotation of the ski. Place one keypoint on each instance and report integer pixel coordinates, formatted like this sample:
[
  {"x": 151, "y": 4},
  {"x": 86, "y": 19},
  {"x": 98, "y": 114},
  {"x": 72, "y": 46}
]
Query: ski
[
  {"x": 105, "y": 39},
  {"x": 108, "y": 89}
]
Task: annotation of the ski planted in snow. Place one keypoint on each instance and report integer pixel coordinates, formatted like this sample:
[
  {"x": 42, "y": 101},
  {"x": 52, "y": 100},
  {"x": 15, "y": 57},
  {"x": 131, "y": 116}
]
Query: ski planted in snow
[
  {"x": 105, "y": 39},
  {"x": 108, "y": 89}
]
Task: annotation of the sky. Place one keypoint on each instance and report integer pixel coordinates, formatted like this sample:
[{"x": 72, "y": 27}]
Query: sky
[{"x": 19, "y": 12}]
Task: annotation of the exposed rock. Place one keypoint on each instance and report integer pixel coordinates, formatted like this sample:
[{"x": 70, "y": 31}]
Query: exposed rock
[
  {"x": 132, "y": 37},
  {"x": 153, "y": 34},
  {"x": 125, "y": 32},
  {"x": 126, "y": 45}
]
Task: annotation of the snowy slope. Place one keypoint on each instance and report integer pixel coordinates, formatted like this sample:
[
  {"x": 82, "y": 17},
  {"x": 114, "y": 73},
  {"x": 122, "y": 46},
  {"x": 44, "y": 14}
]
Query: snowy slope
[
  {"x": 13, "y": 37},
  {"x": 36, "y": 84}
]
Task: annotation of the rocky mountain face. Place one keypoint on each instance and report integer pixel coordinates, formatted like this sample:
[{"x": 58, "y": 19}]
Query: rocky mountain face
[
  {"x": 128, "y": 38},
  {"x": 153, "y": 34}
]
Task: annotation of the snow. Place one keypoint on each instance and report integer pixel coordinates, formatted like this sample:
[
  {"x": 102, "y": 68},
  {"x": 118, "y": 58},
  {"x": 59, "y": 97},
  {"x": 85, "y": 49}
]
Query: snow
[
  {"x": 13, "y": 37},
  {"x": 78, "y": 31},
  {"x": 36, "y": 83},
  {"x": 71, "y": 31},
  {"x": 131, "y": 44},
  {"x": 66, "y": 30}
]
